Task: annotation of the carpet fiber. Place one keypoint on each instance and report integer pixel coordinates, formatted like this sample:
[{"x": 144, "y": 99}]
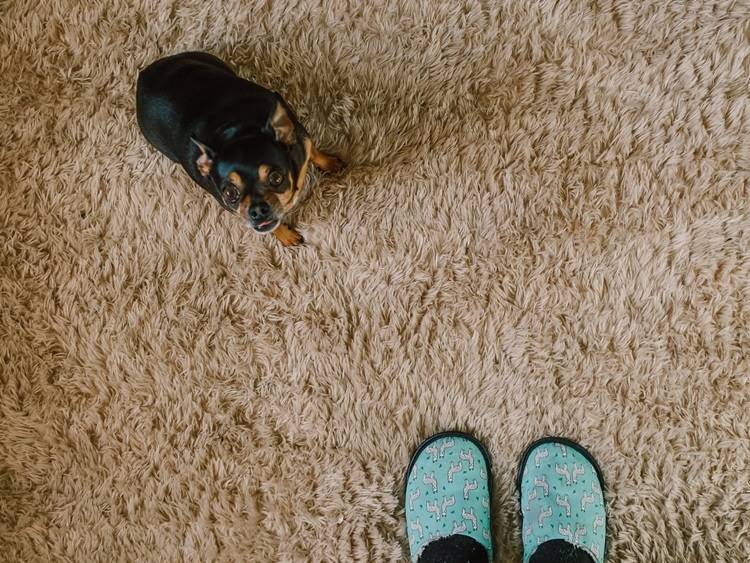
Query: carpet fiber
[{"x": 544, "y": 228}]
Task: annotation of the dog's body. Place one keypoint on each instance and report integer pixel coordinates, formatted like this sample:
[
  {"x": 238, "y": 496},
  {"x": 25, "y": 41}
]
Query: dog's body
[{"x": 237, "y": 140}]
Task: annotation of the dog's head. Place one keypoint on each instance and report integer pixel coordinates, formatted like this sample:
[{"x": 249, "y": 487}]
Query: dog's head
[{"x": 255, "y": 174}]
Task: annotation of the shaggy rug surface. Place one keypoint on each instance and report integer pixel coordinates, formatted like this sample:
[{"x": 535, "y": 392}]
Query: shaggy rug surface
[{"x": 544, "y": 229}]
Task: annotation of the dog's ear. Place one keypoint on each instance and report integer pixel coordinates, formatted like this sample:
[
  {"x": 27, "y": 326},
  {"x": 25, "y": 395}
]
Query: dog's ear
[
  {"x": 206, "y": 160},
  {"x": 282, "y": 125}
]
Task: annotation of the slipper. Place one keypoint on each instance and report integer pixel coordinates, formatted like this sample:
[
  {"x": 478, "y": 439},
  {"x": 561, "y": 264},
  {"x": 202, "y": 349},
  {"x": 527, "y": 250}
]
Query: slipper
[
  {"x": 447, "y": 492},
  {"x": 560, "y": 493}
]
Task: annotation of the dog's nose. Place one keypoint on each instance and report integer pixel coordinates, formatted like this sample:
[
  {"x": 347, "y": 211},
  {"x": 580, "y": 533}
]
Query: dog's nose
[{"x": 259, "y": 211}]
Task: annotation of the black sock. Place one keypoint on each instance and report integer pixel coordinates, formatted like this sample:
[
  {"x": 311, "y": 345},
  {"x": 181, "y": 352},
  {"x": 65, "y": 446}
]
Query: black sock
[
  {"x": 560, "y": 551},
  {"x": 454, "y": 549},
  {"x": 463, "y": 549}
]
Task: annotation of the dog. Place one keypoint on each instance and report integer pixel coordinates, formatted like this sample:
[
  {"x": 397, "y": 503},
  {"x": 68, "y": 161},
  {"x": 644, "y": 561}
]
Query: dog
[{"x": 240, "y": 142}]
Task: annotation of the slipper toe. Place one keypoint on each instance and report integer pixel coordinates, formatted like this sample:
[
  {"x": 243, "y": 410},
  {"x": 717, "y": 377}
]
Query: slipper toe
[{"x": 448, "y": 492}]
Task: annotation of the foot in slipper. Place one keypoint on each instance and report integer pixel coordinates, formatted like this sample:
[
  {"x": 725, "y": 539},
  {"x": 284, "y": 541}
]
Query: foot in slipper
[
  {"x": 447, "y": 498},
  {"x": 562, "y": 504}
]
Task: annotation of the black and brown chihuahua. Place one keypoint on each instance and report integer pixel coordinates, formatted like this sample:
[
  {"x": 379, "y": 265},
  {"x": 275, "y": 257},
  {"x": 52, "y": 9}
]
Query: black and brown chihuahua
[{"x": 237, "y": 140}]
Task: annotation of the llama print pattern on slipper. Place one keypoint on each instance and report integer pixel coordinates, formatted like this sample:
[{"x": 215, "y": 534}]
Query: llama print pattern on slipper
[
  {"x": 448, "y": 493},
  {"x": 561, "y": 498}
]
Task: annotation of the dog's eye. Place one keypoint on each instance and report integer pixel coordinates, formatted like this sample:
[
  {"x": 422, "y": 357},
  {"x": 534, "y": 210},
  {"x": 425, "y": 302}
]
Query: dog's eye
[
  {"x": 275, "y": 178},
  {"x": 231, "y": 195}
]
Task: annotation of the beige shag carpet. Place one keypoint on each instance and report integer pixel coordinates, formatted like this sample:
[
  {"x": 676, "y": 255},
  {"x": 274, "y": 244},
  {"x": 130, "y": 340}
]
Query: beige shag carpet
[{"x": 544, "y": 228}]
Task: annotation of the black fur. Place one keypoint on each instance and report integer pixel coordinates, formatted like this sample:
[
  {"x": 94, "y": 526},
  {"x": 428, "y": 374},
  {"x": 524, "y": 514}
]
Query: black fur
[{"x": 194, "y": 98}]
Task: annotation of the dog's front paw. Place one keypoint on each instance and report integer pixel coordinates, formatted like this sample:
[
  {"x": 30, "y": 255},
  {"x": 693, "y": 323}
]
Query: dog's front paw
[
  {"x": 288, "y": 236},
  {"x": 327, "y": 162}
]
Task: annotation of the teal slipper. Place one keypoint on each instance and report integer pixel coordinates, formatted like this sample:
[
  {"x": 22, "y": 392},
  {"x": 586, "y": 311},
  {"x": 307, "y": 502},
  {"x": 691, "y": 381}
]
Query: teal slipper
[
  {"x": 560, "y": 493},
  {"x": 447, "y": 492}
]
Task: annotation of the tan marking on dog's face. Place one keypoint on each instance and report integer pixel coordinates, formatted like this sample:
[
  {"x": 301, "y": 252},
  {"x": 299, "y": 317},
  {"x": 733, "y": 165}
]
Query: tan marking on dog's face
[
  {"x": 286, "y": 196},
  {"x": 272, "y": 200},
  {"x": 244, "y": 206},
  {"x": 263, "y": 171},
  {"x": 236, "y": 179}
]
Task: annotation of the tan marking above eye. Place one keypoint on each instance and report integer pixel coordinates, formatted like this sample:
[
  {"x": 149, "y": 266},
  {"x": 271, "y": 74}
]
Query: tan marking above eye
[
  {"x": 235, "y": 179},
  {"x": 263, "y": 171}
]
